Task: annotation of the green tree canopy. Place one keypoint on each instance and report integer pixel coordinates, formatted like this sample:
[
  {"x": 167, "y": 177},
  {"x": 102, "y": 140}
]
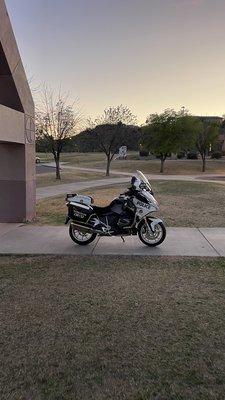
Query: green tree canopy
[{"x": 169, "y": 132}]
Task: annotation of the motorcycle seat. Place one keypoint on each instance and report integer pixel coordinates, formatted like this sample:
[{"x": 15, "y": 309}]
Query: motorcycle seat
[{"x": 102, "y": 210}]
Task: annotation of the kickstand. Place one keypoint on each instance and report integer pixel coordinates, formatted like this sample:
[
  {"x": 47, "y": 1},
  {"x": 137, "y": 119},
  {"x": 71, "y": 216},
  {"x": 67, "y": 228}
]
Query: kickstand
[{"x": 123, "y": 239}]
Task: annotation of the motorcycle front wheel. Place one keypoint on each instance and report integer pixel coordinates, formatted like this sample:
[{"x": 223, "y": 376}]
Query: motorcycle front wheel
[
  {"x": 81, "y": 238},
  {"x": 150, "y": 238}
]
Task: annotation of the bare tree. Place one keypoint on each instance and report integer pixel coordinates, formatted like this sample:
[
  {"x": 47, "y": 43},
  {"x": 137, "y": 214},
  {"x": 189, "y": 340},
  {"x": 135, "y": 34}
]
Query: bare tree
[
  {"x": 111, "y": 130},
  {"x": 34, "y": 87},
  {"x": 114, "y": 115},
  {"x": 207, "y": 135},
  {"x": 57, "y": 120}
]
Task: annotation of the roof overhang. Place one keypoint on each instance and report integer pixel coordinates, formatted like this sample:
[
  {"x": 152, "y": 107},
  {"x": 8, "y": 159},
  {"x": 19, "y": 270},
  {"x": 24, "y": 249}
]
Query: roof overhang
[{"x": 14, "y": 88}]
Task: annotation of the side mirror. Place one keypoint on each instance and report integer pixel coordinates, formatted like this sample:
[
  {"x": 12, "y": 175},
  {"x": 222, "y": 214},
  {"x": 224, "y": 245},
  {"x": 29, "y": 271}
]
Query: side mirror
[
  {"x": 142, "y": 185},
  {"x": 133, "y": 179}
]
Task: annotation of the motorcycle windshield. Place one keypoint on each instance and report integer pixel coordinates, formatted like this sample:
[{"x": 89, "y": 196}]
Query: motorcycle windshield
[{"x": 143, "y": 178}]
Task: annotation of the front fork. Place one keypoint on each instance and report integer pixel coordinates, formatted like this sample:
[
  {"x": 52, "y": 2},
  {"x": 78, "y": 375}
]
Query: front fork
[{"x": 151, "y": 223}]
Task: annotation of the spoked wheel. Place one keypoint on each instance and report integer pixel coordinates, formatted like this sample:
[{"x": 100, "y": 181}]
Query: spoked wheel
[
  {"x": 81, "y": 238},
  {"x": 150, "y": 238}
]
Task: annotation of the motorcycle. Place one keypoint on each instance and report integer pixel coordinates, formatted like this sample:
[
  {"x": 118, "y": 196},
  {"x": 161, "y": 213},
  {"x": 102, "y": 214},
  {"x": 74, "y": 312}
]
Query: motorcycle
[{"x": 128, "y": 214}]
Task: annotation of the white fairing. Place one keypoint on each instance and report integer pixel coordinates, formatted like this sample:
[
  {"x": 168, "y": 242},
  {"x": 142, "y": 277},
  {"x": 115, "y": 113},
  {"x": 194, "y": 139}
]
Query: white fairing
[
  {"x": 144, "y": 209},
  {"x": 150, "y": 198}
]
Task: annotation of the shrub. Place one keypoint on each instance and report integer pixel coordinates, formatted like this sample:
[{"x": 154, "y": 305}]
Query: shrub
[
  {"x": 143, "y": 153},
  {"x": 159, "y": 156},
  {"x": 181, "y": 155},
  {"x": 216, "y": 154},
  {"x": 192, "y": 155}
]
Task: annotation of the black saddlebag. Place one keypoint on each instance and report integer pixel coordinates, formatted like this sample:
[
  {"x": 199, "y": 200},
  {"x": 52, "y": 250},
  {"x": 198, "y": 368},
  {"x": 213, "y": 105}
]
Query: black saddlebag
[{"x": 79, "y": 212}]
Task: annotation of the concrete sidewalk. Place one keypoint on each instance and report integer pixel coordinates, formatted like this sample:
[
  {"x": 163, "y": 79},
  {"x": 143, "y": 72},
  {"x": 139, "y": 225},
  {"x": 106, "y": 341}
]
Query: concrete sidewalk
[
  {"x": 33, "y": 239},
  {"x": 176, "y": 177},
  {"x": 57, "y": 190}
]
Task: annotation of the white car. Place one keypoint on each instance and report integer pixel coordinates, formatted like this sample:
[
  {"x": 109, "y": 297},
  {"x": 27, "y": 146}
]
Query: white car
[{"x": 38, "y": 160}]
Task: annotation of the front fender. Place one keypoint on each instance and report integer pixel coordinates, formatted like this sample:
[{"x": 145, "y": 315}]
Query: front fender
[{"x": 152, "y": 222}]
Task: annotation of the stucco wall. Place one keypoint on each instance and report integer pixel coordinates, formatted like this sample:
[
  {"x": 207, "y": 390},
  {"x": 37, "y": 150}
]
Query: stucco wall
[
  {"x": 11, "y": 125},
  {"x": 17, "y": 131}
]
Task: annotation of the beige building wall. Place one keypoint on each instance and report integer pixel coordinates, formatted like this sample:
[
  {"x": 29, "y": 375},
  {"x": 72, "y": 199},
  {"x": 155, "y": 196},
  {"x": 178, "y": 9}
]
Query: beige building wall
[
  {"x": 11, "y": 125},
  {"x": 17, "y": 131}
]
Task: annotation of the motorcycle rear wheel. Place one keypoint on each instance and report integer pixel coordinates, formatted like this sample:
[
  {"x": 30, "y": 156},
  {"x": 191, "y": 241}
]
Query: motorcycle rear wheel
[
  {"x": 152, "y": 239},
  {"x": 81, "y": 238}
]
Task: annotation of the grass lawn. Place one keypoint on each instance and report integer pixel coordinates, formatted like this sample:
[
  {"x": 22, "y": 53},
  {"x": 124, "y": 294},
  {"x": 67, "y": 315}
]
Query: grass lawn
[
  {"x": 172, "y": 167},
  {"x": 104, "y": 328},
  {"x": 74, "y": 158},
  {"x": 193, "y": 204},
  {"x": 180, "y": 167},
  {"x": 67, "y": 176}
]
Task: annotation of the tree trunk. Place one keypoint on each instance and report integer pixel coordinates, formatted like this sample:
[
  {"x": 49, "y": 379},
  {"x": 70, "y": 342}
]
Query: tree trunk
[
  {"x": 108, "y": 165},
  {"x": 162, "y": 165},
  {"x": 57, "y": 167},
  {"x": 57, "y": 171},
  {"x": 203, "y": 163},
  {"x": 56, "y": 154}
]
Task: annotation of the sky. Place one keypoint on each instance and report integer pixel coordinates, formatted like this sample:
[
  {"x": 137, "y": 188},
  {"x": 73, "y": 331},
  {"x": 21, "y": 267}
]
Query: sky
[{"x": 146, "y": 54}]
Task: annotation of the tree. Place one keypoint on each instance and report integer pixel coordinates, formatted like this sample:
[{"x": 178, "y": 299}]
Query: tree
[
  {"x": 207, "y": 135},
  {"x": 114, "y": 115},
  {"x": 111, "y": 130},
  {"x": 87, "y": 141},
  {"x": 57, "y": 120},
  {"x": 168, "y": 132},
  {"x": 109, "y": 137}
]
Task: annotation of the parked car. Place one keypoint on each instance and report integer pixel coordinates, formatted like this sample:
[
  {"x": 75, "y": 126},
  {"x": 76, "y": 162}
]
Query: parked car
[{"x": 38, "y": 160}]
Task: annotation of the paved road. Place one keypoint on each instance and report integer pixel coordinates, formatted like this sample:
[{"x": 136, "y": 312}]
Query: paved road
[{"x": 30, "y": 239}]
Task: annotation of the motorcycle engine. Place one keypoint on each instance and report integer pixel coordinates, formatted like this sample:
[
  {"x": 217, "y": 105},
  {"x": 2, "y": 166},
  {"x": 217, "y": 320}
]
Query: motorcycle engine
[{"x": 125, "y": 220}]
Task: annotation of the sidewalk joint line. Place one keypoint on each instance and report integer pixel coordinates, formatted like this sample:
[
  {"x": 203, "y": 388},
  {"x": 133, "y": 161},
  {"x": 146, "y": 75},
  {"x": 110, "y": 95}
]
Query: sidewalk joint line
[
  {"x": 209, "y": 242},
  {"x": 96, "y": 244},
  {"x": 13, "y": 229}
]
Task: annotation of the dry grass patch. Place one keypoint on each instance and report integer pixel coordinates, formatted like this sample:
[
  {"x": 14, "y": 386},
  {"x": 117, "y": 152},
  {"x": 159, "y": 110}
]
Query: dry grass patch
[
  {"x": 192, "y": 204},
  {"x": 112, "y": 328},
  {"x": 74, "y": 158},
  {"x": 172, "y": 167},
  {"x": 179, "y": 167},
  {"x": 67, "y": 176}
]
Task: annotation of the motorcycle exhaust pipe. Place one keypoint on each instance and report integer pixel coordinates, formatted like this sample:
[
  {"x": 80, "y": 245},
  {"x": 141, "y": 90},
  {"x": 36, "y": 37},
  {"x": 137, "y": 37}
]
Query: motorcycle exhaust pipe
[
  {"x": 87, "y": 229},
  {"x": 82, "y": 228}
]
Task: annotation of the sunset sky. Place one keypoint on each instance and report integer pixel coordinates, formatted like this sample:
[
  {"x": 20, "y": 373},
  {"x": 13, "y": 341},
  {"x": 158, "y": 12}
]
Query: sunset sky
[{"x": 146, "y": 54}]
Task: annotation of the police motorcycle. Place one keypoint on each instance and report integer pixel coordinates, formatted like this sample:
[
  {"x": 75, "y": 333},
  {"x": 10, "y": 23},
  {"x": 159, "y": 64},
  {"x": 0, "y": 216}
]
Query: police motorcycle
[{"x": 128, "y": 214}]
